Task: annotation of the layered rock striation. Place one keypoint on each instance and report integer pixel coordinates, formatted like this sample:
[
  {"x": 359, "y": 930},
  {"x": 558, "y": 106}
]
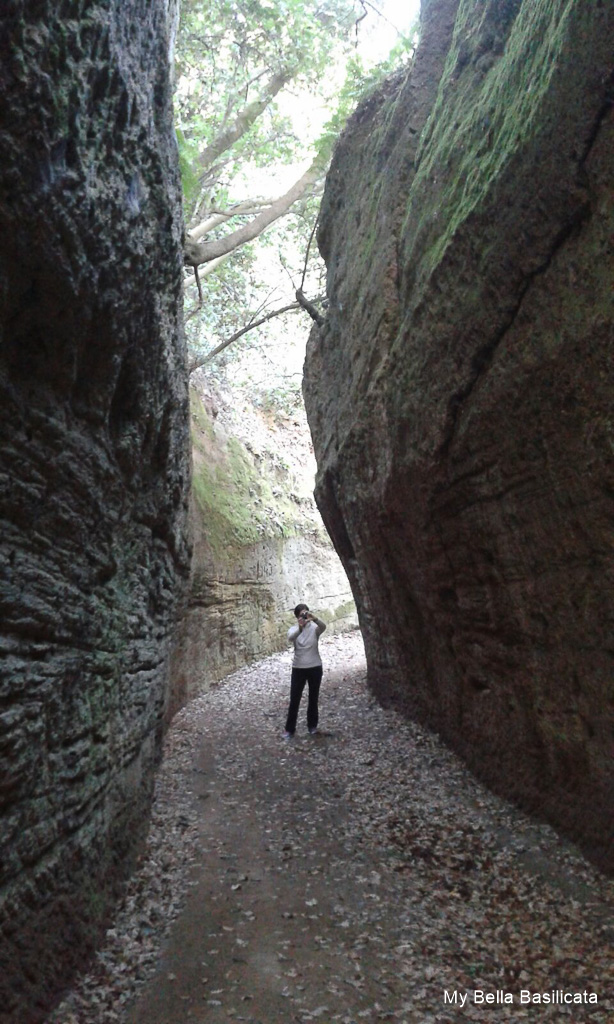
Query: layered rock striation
[
  {"x": 460, "y": 395},
  {"x": 94, "y": 466}
]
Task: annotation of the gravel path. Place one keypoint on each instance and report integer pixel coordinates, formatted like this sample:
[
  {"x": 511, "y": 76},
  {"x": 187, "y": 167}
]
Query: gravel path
[{"x": 358, "y": 875}]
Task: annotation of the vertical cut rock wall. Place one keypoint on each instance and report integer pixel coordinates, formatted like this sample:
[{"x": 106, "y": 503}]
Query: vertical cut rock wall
[
  {"x": 94, "y": 465},
  {"x": 460, "y": 394}
]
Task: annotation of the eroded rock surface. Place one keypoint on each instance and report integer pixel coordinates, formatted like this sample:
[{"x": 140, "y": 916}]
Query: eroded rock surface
[
  {"x": 93, "y": 465},
  {"x": 460, "y": 395},
  {"x": 259, "y": 545}
]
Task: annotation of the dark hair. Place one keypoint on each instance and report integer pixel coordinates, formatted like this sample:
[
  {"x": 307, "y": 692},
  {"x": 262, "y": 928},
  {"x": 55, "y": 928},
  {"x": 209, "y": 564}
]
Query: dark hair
[{"x": 300, "y": 608}]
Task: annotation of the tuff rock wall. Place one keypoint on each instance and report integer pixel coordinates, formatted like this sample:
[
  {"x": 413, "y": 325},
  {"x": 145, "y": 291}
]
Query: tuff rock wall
[
  {"x": 94, "y": 465},
  {"x": 460, "y": 394},
  {"x": 259, "y": 546}
]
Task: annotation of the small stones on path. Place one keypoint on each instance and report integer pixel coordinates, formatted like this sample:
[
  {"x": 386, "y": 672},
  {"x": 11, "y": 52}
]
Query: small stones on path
[{"x": 358, "y": 875}]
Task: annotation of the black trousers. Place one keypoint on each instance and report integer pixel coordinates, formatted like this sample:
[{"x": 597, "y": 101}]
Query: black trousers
[{"x": 312, "y": 677}]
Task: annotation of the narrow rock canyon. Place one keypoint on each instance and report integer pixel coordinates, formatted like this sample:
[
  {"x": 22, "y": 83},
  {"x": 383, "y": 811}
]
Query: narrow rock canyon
[{"x": 459, "y": 394}]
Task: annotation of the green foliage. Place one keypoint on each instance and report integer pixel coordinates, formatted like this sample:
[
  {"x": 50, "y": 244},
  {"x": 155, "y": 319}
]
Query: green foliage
[
  {"x": 282, "y": 399},
  {"x": 228, "y": 50},
  {"x": 229, "y": 293},
  {"x": 188, "y": 157},
  {"x": 360, "y": 81}
]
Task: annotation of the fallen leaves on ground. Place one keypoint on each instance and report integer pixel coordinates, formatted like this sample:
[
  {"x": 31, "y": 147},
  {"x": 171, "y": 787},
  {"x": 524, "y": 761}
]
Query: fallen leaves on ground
[{"x": 411, "y": 879}]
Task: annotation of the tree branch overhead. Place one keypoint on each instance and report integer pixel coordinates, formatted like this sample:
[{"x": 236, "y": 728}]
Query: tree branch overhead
[{"x": 202, "y": 252}]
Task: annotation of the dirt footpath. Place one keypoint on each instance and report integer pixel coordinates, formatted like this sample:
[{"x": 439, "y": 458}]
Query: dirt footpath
[{"x": 358, "y": 875}]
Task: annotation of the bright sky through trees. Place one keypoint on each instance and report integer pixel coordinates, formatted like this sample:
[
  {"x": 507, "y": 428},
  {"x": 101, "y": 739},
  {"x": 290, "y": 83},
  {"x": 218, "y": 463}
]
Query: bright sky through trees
[
  {"x": 263, "y": 89},
  {"x": 375, "y": 38},
  {"x": 398, "y": 16}
]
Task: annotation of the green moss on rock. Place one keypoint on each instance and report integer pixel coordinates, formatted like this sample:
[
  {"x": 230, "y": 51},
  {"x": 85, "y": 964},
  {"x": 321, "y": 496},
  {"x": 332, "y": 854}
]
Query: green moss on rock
[
  {"x": 234, "y": 490},
  {"x": 495, "y": 96}
]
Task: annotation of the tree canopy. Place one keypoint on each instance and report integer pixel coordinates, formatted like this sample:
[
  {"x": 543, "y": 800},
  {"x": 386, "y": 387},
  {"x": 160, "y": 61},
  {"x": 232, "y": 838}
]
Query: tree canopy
[
  {"x": 234, "y": 60},
  {"x": 262, "y": 88}
]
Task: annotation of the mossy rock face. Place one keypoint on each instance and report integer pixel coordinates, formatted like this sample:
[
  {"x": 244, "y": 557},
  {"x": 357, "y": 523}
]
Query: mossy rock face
[
  {"x": 459, "y": 394},
  {"x": 234, "y": 492},
  {"x": 259, "y": 548},
  {"x": 94, "y": 467}
]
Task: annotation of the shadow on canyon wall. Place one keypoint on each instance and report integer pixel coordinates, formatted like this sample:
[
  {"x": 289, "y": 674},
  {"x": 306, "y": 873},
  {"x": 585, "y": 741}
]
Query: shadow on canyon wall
[{"x": 459, "y": 396}]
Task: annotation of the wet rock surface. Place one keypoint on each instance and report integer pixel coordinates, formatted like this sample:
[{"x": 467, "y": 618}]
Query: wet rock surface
[
  {"x": 356, "y": 875},
  {"x": 459, "y": 395},
  {"x": 93, "y": 467}
]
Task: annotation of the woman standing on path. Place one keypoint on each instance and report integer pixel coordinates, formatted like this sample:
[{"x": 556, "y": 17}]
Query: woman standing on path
[{"x": 306, "y": 668}]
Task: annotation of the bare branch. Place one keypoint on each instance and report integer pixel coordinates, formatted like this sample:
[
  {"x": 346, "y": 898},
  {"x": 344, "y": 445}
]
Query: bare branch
[
  {"x": 196, "y": 363},
  {"x": 200, "y": 291},
  {"x": 309, "y": 307},
  {"x": 192, "y": 312},
  {"x": 195, "y": 309},
  {"x": 217, "y": 217},
  {"x": 206, "y": 269},
  {"x": 313, "y": 231},
  {"x": 214, "y": 264}
]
